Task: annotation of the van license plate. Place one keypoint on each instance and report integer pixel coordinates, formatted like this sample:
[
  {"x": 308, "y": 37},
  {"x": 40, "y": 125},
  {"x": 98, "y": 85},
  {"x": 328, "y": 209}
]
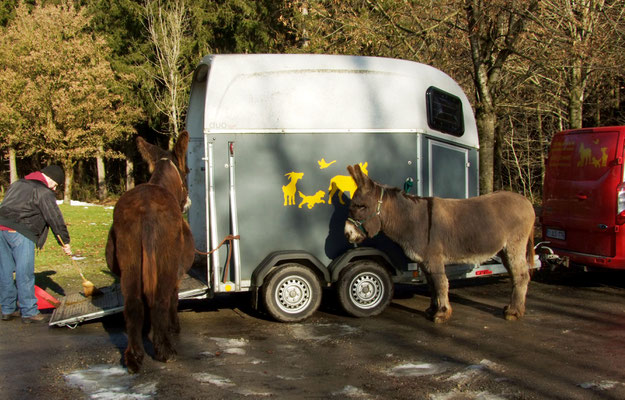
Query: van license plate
[{"x": 556, "y": 234}]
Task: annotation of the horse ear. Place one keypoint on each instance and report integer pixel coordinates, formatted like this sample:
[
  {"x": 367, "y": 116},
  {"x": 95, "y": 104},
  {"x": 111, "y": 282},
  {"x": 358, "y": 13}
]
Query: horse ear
[
  {"x": 148, "y": 152},
  {"x": 180, "y": 149}
]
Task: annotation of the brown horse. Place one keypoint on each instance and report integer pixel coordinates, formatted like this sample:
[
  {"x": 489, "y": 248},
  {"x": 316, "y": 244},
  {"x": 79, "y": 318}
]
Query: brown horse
[
  {"x": 150, "y": 247},
  {"x": 434, "y": 232}
]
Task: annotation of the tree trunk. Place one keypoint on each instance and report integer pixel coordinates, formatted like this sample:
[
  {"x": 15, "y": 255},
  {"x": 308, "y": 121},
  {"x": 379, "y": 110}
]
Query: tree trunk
[
  {"x": 130, "y": 177},
  {"x": 576, "y": 96},
  {"x": 102, "y": 190},
  {"x": 486, "y": 122},
  {"x": 13, "y": 164},
  {"x": 68, "y": 167}
]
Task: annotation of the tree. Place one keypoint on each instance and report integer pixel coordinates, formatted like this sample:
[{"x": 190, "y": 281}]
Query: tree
[
  {"x": 167, "y": 26},
  {"x": 73, "y": 110},
  {"x": 494, "y": 30}
]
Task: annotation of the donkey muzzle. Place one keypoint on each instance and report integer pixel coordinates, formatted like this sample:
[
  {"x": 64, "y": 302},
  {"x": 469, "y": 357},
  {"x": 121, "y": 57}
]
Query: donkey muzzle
[{"x": 354, "y": 231}]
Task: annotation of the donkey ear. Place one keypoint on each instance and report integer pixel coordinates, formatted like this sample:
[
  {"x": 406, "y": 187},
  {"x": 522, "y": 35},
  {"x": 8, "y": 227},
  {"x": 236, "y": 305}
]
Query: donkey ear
[
  {"x": 357, "y": 174},
  {"x": 180, "y": 149},
  {"x": 148, "y": 152}
]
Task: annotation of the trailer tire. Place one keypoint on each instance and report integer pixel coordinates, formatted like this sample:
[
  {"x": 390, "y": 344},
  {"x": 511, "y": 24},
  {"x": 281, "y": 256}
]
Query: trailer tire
[
  {"x": 291, "y": 293},
  {"x": 364, "y": 289}
]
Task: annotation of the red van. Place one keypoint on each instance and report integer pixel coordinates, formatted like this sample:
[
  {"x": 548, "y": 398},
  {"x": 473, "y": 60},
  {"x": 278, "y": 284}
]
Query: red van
[{"x": 583, "y": 214}]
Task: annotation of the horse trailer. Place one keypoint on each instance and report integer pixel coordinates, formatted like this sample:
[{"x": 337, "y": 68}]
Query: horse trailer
[
  {"x": 270, "y": 139},
  {"x": 271, "y": 136}
]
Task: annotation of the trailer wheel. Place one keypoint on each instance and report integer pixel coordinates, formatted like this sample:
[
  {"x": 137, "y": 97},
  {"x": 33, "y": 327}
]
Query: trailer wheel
[
  {"x": 364, "y": 289},
  {"x": 291, "y": 293}
]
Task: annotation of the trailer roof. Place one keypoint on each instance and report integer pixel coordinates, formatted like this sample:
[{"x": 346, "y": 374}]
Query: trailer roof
[{"x": 310, "y": 93}]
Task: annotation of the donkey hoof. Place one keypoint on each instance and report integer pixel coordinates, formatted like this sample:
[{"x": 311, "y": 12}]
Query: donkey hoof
[
  {"x": 440, "y": 316},
  {"x": 133, "y": 362},
  {"x": 511, "y": 314},
  {"x": 165, "y": 355}
]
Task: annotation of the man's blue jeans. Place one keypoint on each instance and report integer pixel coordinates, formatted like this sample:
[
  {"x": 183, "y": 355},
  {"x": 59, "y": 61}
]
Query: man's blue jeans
[{"x": 17, "y": 254}]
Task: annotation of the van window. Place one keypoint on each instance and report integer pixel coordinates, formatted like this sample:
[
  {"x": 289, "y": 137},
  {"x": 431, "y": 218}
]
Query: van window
[
  {"x": 582, "y": 156},
  {"x": 444, "y": 112}
]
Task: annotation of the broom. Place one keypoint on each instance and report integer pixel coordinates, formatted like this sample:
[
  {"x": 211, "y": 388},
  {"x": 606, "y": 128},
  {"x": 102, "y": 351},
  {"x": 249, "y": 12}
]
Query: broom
[{"x": 88, "y": 286}]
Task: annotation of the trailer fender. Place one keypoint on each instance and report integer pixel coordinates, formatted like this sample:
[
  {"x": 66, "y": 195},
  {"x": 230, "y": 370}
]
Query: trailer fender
[
  {"x": 278, "y": 258},
  {"x": 338, "y": 264}
]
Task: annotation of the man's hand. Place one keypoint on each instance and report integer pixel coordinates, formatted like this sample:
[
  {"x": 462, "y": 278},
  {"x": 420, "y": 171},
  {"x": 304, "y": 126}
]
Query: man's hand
[{"x": 67, "y": 249}]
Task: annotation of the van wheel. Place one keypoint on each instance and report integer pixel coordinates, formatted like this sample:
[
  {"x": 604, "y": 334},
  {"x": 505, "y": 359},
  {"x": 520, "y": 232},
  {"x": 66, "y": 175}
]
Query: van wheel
[
  {"x": 364, "y": 289},
  {"x": 291, "y": 293}
]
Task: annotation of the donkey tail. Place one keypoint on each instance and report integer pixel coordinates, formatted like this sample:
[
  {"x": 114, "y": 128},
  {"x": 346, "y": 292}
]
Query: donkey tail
[
  {"x": 530, "y": 248},
  {"x": 148, "y": 269}
]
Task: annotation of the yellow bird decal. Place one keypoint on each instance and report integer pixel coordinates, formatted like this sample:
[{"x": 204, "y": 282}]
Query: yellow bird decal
[{"x": 323, "y": 164}]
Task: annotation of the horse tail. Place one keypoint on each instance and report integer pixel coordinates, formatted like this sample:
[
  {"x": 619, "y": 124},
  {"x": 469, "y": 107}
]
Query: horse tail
[
  {"x": 530, "y": 248},
  {"x": 148, "y": 268}
]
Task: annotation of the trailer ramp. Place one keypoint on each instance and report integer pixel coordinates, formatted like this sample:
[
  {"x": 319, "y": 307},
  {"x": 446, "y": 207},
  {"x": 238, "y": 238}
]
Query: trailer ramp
[{"x": 77, "y": 308}]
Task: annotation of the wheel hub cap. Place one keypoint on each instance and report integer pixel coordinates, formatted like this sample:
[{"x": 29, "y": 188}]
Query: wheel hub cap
[
  {"x": 367, "y": 290},
  {"x": 293, "y": 294}
]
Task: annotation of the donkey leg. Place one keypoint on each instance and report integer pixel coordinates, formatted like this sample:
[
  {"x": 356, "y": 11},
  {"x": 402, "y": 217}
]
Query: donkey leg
[
  {"x": 440, "y": 309},
  {"x": 515, "y": 263},
  {"x": 161, "y": 336},
  {"x": 133, "y": 315},
  {"x": 174, "y": 324}
]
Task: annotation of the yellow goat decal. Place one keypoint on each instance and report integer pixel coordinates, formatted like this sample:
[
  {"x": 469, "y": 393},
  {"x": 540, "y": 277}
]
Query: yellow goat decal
[{"x": 290, "y": 189}]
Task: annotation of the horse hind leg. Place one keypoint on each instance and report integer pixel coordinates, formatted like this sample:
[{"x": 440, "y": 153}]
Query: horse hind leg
[
  {"x": 440, "y": 310},
  {"x": 514, "y": 260}
]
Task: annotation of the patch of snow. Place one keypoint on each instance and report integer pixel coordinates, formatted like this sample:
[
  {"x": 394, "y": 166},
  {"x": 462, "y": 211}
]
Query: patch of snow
[
  {"x": 226, "y": 342},
  {"x": 104, "y": 382},
  {"x": 470, "y": 372},
  {"x": 454, "y": 394},
  {"x": 422, "y": 369},
  {"x": 603, "y": 385},
  {"x": 204, "y": 377},
  {"x": 226, "y": 383},
  {"x": 351, "y": 392},
  {"x": 321, "y": 332}
]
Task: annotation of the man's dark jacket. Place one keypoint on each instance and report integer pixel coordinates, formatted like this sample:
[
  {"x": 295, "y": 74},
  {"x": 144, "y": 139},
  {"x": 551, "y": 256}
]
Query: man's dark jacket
[{"x": 29, "y": 207}]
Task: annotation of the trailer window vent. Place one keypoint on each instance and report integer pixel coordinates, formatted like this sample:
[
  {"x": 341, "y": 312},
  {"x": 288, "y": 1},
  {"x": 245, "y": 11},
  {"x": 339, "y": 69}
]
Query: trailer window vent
[{"x": 444, "y": 112}]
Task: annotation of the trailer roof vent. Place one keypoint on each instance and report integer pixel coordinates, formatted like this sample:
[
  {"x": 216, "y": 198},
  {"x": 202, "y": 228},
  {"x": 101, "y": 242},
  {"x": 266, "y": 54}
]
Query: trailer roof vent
[{"x": 444, "y": 112}]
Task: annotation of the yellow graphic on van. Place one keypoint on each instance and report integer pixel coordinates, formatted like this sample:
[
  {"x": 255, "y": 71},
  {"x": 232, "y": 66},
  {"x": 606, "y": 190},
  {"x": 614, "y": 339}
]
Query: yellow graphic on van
[
  {"x": 586, "y": 157},
  {"x": 603, "y": 161},
  {"x": 562, "y": 153},
  {"x": 290, "y": 189},
  {"x": 323, "y": 164},
  {"x": 344, "y": 183},
  {"x": 310, "y": 201}
]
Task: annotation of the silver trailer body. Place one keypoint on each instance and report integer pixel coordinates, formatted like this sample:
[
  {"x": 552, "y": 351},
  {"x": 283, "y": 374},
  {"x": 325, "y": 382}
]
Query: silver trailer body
[{"x": 272, "y": 135}]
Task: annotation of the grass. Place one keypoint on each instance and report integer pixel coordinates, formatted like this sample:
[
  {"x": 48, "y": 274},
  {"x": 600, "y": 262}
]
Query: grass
[{"x": 88, "y": 227}]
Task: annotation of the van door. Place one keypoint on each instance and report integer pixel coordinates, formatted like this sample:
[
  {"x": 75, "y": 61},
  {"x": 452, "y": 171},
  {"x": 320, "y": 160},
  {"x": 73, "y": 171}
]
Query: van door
[{"x": 579, "y": 207}]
